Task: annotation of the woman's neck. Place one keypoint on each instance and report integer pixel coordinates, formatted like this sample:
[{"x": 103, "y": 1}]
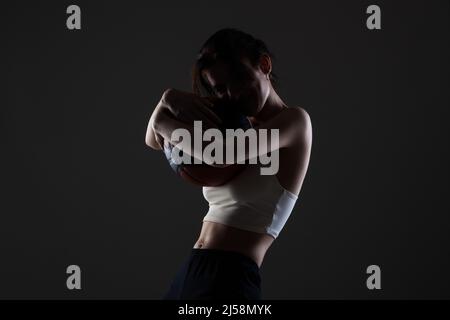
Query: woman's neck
[{"x": 273, "y": 105}]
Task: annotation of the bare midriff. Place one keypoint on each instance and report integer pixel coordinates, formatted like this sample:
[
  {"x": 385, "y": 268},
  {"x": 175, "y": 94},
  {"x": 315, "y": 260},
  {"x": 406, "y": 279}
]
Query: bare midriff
[{"x": 219, "y": 236}]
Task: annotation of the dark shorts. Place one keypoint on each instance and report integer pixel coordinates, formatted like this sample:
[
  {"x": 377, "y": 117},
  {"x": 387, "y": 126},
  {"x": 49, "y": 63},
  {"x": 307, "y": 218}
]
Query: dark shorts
[{"x": 212, "y": 274}]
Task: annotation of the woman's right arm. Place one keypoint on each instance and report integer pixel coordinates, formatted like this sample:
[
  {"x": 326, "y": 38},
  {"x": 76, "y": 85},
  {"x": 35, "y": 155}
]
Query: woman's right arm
[
  {"x": 152, "y": 139},
  {"x": 179, "y": 109}
]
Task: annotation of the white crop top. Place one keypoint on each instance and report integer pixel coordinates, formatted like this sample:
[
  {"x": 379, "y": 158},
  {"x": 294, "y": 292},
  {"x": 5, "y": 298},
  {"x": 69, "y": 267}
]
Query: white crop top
[{"x": 251, "y": 201}]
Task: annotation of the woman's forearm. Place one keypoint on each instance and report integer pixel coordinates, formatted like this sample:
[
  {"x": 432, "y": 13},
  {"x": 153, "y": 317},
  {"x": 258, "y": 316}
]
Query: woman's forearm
[{"x": 165, "y": 124}]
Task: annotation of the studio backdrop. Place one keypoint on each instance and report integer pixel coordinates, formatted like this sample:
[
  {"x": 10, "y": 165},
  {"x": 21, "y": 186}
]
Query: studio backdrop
[{"x": 79, "y": 186}]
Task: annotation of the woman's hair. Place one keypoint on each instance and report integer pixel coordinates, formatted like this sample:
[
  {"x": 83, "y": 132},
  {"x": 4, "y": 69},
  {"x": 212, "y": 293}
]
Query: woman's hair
[{"x": 229, "y": 45}]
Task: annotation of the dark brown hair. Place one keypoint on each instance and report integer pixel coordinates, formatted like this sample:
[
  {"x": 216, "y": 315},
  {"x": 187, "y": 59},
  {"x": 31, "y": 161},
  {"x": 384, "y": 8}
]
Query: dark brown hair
[{"x": 229, "y": 45}]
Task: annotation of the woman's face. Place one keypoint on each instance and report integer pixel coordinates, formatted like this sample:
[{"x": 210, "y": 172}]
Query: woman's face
[{"x": 245, "y": 86}]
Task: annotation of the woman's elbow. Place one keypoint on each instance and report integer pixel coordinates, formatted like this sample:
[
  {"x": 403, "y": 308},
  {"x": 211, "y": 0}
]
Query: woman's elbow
[{"x": 151, "y": 141}]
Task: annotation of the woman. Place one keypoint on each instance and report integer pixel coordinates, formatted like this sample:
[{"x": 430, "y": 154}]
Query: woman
[{"x": 247, "y": 213}]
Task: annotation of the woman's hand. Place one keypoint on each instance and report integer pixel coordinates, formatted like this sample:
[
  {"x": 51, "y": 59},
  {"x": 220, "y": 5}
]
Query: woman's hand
[{"x": 188, "y": 107}]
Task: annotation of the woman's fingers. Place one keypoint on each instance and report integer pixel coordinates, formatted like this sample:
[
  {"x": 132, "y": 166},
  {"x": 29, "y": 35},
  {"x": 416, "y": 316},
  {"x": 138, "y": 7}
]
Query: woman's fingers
[
  {"x": 201, "y": 109},
  {"x": 205, "y": 107},
  {"x": 188, "y": 107}
]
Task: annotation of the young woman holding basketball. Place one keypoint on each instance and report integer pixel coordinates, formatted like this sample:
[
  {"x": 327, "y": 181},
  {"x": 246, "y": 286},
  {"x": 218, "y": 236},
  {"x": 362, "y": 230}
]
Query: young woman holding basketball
[{"x": 247, "y": 213}]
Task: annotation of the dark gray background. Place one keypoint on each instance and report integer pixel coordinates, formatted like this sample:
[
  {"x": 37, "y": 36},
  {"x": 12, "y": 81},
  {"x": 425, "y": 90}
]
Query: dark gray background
[{"x": 79, "y": 186}]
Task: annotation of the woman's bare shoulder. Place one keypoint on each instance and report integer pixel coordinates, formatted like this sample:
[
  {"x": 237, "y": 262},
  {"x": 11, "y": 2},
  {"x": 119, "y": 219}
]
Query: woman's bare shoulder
[
  {"x": 298, "y": 115},
  {"x": 299, "y": 111},
  {"x": 292, "y": 120},
  {"x": 301, "y": 122}
]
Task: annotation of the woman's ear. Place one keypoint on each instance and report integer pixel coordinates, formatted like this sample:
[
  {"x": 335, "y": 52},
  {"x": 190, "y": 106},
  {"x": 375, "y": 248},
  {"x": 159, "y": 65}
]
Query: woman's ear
[{"x": 265, "y": 63}]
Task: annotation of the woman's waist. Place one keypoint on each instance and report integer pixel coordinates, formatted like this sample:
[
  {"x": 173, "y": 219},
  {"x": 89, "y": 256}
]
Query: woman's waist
[{"x": 215, "y": 235}]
